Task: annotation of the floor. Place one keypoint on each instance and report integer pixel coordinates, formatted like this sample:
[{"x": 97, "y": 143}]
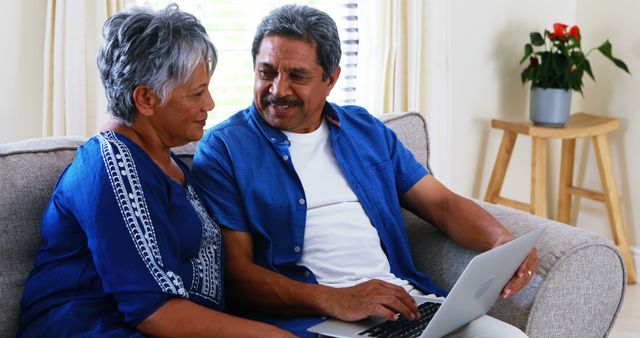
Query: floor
[{"x": 628, "y": 323}]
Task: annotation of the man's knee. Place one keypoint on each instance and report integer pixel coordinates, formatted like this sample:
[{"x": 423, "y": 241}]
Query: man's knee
[{"x": 489, "y": 327}]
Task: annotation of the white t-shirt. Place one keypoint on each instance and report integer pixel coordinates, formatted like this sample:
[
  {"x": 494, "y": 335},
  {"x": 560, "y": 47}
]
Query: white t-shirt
[{"x": 341, "y": 246}]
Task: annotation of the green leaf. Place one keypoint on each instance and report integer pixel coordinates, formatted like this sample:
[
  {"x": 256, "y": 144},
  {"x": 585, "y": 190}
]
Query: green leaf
[
  {"x": 528, "y": 49},
  {"x": 606, "y": 50},
  {"x": 561, "y": 63},
  {"x": 621, "y": 65},
  {"x": 525, "y": 75},
  {"x": 536, "y": 39},
  {"x": 587, "y": 68},
  {"x": 577, "y": 58}
]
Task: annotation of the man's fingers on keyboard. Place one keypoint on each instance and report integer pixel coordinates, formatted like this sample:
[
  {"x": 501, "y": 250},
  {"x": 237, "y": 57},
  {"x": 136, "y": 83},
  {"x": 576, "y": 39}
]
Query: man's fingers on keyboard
[
  {"x": 409, "y": 311},
  {"x": 384, "y": 312}
]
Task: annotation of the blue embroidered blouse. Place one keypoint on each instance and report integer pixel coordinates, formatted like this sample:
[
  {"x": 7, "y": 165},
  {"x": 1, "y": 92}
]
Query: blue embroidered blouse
[{"x": 120, "y": 238}]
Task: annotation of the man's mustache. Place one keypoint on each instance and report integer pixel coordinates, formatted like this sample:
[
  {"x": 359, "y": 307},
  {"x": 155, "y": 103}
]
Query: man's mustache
[{"x": 280, "y": 101}]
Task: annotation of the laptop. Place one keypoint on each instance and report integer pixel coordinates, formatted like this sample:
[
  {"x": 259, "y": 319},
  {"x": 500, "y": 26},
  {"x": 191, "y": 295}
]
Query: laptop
[{"x": 475, "y": 292}]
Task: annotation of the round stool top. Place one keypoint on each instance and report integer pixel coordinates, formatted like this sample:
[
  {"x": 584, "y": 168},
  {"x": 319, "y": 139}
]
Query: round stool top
[{"x": 579, "y": 125}]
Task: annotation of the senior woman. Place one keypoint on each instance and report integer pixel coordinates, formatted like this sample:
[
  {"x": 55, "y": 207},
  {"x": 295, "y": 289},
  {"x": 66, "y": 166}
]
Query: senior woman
[{"x": 128, "y": 247}]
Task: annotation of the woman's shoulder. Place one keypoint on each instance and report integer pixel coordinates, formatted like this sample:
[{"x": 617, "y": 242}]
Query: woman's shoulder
[
  {"x": 109, "y": 167},
  {"x": 108, "y": 156},
  {"x": 104, "y": 149}
]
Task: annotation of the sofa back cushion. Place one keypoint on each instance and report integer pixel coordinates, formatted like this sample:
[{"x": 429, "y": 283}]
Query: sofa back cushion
[
  {"x": 411, "y": 129},
  {"x": 29, "y": 171}
]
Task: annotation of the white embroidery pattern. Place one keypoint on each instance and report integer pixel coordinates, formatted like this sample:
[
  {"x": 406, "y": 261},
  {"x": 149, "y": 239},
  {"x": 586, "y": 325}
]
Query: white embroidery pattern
[
  {"x": 133, "y": 207},
  {"x": 207, "y": 275}
]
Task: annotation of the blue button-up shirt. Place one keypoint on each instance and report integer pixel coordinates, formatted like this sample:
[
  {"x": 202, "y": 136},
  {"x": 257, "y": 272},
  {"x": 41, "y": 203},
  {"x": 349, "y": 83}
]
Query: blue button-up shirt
[{"x": 244, "y": 168}]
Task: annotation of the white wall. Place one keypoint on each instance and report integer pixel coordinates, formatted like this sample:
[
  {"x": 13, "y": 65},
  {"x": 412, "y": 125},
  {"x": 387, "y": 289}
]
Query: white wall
[
  {"x": 616, "y": 94},
  {"x": 487, "y": 40},
  {"x": 22, "y": 25}
]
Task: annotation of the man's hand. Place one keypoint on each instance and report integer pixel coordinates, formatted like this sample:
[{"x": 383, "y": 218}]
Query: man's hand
[
  {"x": 371, "y": 298},
  {"x": 523, "y": 275}
]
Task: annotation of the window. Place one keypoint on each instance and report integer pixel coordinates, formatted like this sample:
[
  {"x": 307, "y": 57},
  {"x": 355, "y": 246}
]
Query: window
[{"x": 231, "y": 25}]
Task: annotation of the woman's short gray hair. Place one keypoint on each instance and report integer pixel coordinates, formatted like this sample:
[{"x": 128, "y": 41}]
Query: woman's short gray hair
[
  {"x": 159, "y": 49},
  {"x": 305, "y": 23}
]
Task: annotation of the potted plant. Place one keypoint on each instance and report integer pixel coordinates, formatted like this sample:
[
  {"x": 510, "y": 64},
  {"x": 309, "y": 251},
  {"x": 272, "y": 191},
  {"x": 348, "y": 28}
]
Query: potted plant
[{"x": 556, "y": 66}]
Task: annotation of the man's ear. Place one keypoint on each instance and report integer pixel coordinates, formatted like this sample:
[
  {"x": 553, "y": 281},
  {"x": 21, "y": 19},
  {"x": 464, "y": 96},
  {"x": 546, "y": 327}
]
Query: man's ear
[
  {"x": 333, "y": 78},
  {"x": 145, "y": 100}
]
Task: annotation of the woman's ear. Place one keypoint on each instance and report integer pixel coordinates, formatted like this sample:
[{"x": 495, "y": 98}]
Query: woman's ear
[{"x": 145, "y": 100}]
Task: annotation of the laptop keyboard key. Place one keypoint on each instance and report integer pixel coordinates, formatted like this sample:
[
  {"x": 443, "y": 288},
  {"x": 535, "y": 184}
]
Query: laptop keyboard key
[{"x": 402, "y": 327}]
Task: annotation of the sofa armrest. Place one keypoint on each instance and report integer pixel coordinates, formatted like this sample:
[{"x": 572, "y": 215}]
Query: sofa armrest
[{"x": 577, "y": 291}]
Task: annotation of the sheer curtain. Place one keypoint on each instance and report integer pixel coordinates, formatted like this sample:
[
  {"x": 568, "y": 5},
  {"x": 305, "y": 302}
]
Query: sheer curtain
[
  {"x": 74, "y": 101},
  {"x": 390, "y": 44},
  {"x": 403, "y": 65}
]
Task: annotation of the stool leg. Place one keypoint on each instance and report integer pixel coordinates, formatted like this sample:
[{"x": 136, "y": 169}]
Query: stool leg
[
  {"x": 566, "y": 180},
  {"x": 613, "y": 204},
  {"x": 500, "y": 167},
  {"x": 538, "y": 176}
]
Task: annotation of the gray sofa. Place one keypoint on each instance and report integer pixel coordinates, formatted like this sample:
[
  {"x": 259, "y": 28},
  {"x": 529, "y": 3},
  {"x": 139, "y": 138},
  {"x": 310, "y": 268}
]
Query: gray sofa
[{"x": 577, "y": 291}]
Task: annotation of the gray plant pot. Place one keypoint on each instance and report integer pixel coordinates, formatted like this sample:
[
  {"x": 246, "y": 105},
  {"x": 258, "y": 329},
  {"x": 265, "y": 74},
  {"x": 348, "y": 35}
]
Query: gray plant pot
[{"x": 549, "y": 107}]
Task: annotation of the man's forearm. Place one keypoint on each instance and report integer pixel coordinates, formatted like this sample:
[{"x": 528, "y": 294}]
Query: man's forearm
[
  {"x": 471, "y": 226},
  {"x": 461, "y": 219},
  {"x": 260, "y": 289},
  {"x": 263, "y": 290}
]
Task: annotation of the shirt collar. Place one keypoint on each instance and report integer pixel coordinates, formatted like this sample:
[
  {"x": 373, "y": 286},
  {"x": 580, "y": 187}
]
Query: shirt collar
[
  {"x": 272, "y": 134},
  {"x": 330, "y": 113}
]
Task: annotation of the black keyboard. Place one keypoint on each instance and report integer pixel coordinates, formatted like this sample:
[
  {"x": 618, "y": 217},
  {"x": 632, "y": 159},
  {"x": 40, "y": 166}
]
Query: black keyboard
[{"x": 403, "y": 327}]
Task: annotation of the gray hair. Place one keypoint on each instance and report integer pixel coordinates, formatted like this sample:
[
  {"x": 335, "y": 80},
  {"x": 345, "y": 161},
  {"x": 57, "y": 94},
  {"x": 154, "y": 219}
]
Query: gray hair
[
  {"x": 304, "y": 23},
  {"x": 159, "y": 49}
]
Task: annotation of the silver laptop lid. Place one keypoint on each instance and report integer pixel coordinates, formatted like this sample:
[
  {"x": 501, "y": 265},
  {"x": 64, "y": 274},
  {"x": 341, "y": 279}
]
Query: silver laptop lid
[{"x": 480, "y": 284}]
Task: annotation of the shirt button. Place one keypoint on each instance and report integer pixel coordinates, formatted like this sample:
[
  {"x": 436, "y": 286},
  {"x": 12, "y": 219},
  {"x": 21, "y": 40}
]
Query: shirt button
[
  {"x": 273, "y": 139},
  {"x": 285, "y": 157},
  {"x": 307, "y": 273},
  {"x": 301, "y": 201},
  {"x": 296, "y": 248}
]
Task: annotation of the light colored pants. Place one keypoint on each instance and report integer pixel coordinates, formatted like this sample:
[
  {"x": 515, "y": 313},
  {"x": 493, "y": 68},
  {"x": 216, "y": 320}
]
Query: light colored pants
[
  {"x": 484, "y": 326},
  {"x": 487, "y": 326}
]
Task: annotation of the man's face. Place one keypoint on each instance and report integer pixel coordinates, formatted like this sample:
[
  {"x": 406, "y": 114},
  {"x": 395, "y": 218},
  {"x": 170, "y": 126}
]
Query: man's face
[{"x": 289, "y": 91}]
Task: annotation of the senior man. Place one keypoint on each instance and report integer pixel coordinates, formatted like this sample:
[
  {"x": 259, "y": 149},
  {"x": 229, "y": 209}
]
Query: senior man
[{"x": 310, "y": 194}]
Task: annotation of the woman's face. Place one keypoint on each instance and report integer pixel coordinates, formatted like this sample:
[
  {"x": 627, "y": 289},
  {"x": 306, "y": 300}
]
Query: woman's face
[{"x": 181, "y": 120}]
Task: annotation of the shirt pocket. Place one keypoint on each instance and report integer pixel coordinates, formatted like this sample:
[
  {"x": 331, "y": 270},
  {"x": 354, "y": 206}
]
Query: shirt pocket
[{"x": 382, "y": 183}]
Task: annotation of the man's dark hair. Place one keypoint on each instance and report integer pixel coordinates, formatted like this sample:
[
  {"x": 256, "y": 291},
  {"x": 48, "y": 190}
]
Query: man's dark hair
[{"x": 304, "y": 23}]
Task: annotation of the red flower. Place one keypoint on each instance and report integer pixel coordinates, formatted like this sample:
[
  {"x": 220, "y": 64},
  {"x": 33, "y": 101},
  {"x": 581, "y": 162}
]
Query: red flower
[
  {"x": 575, "y": 32},
  {"x": 559, "y": 31}
]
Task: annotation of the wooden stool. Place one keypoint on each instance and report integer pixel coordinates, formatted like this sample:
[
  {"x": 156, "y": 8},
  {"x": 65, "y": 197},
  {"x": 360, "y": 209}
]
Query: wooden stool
[{"x": 580, "y": 125}]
